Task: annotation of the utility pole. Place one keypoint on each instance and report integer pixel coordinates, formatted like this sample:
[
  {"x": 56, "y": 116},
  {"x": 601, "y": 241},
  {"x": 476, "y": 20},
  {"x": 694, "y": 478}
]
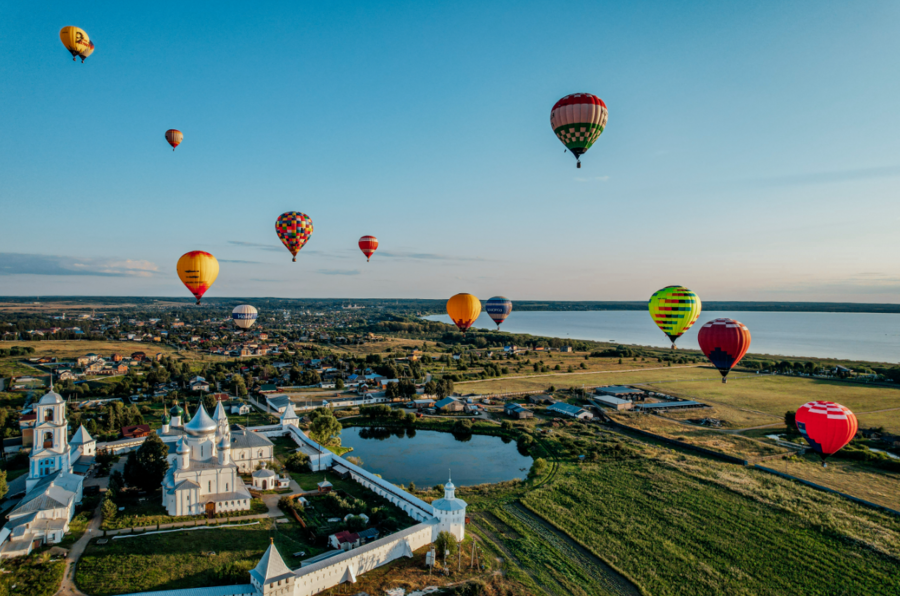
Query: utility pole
[
  {"x": 459, "y": 555},
  {"x": 472, "y": 563}
]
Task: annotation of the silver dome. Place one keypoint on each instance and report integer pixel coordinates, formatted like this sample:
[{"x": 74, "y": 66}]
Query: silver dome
[{"x": 200, "y": 424}]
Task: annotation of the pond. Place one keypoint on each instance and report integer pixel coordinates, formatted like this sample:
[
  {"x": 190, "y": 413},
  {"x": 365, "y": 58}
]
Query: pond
[{"x": 425, "y": 456}]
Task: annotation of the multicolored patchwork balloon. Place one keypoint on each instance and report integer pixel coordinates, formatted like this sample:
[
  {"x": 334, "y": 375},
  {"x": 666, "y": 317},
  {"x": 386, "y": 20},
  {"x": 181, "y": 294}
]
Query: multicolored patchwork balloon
[
  {"x": 826, "y": 426},
  {"x": 675, "y": 309},
  {"x": 724, "y": 341},
  {"x": 294, "y": 229},
  {"x": 578, "y": 121},
  {"x": 498, "y": 308}
]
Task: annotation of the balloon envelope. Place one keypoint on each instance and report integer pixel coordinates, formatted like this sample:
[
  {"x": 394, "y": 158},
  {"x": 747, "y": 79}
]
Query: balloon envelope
[
  {"x": 826, "y": 426},
  {"x": 674, "y": 310},
  {"x": 498, "y": 308},
  {"x": 294, "y": 229},
  {"x": 76, "y": 41},
  {"x": 244, "y": 316},
  {"x": 368, "y": 244},
  {"x": 578, "y": 121},
  {"x": 464, "y": 309},
  {"x": 198, "y": 270},
  {"x": 174, "y": 137},
  {"x": 724, "y": 341}
]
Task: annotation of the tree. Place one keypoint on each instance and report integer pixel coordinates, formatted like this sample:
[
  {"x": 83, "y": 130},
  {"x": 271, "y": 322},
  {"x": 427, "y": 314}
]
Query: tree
[
  {"x": 790, "y": 419},
  {"x": 238, "y": 386},
  {"x": 108, "y": 510},
  {"x": 146, "y": 467},
  {"x": 4, "y": 487},
  {"x": 445, "y": 543},
  {"x": 339, "y": 383},
  {"x": 355, "y": 460},
  {"x": 538, "y": 467},
  {"x": 209, "y": 402},
  {"x": 326, "y": 430},
  {"x": 355, "y": 523},
  {"x": 506, "y": 425},
  {"x": 296, "y": 462},
  {"x": 431, "y": 387}
]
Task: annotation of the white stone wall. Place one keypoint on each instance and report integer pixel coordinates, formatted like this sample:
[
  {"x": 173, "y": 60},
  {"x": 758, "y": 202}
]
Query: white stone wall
[{"x": 340, "y": 568}]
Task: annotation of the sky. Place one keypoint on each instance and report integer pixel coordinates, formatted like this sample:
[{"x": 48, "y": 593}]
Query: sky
[{"x": 751, "y": 151}]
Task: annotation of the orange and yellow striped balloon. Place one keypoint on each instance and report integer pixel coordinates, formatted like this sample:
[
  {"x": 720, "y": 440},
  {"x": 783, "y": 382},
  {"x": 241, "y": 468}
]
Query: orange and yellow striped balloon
[{"x": 198, "y": 270}]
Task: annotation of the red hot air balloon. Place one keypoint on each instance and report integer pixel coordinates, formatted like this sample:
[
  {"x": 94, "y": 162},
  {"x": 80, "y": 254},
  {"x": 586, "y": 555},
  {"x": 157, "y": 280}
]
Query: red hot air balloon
[
  {"x": 724, "y": 341},
  {"x": 174, "y": 137},
  {"x": 826, "y": 426},
  {"x": 368, "y": 244}
]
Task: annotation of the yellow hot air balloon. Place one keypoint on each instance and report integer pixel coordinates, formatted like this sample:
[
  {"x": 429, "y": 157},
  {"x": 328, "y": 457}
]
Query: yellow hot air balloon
[
  {"x": 198, "y": 270},
  {"x": 464, "y": 309},
  {"x": 76, "y": 41}
]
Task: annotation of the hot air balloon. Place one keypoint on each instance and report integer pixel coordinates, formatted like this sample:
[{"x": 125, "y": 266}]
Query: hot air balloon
[
  {"x": 87, "y": 52},
  {"x": 368, "y": 244},
  {"x": 76, "y": 41},
  {"x": 174, "y": 137},
  {"x": 198, "y": 270},
  {"x": 294, "y": 229},
  {"x": 464, "y": 309},
  {"x": 498, "y": 308},
  {"x": 674, "y": 309},
  {"x": 244, "y": 316},
  {"x": 578, "y": 121},
  {"x": 826, "y": 426},
  {"x": 724, "y": 341}
]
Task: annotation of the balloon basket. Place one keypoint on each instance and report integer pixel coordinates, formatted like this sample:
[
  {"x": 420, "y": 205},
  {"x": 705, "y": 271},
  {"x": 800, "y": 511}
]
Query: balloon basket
[
  {"x": 294, "y": 260},
  {"x": 578, "y": 165},
  {"x": 724, "y": 380}
]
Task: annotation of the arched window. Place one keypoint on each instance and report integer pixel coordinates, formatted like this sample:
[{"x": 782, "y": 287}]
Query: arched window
[
  {"x": 260, "y": 453},
  {"x": 48, "y": 415}
]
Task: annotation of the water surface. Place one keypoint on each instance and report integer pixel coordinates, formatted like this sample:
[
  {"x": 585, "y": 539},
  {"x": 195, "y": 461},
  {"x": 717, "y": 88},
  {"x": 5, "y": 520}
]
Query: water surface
[
  {"x": 426, "y": 457},
  {"x": 853, "y": 336}
]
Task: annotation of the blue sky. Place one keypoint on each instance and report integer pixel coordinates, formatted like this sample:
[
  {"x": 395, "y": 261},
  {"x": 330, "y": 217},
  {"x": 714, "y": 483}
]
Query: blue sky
[{"x": 751, "y": 151}]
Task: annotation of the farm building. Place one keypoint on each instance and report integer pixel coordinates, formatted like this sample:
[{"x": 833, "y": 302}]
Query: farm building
[
  {"x": 517, "y": 411},
  {"x": 665, "y": 406},
  {"x": 278, "y": 403},
  {"x": 622, "y": 392},
  {"x": 616, "y": 403},
  {"x": 448, "y": 404},
  {"x": 541, "y": 398},
  {"x": 570, "y": 410}
]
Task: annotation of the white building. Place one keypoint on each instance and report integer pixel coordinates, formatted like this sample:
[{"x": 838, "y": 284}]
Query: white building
[
  {"x": 51, "y": 489},
  {"x": 451, "y": 512},
  {"x": 203, "y": 478}
]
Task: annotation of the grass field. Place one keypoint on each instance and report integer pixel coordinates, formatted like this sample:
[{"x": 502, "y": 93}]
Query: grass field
[
  {"x": 34, "y": 575},
  {"x": 774, "y": 395},
  {"x": 729, "y": 444},
  {"x": 851, "y": 477},
  {"x": 181, "y": 560},
  {"x": 613, "y": 377},
  {"x": 66, "y": 349},
  {"x": 681, "y": 525}
]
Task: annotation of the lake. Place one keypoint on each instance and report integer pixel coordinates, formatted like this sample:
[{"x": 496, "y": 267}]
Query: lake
[
  {"x": 427, "y": 456},
  {"x": 852, "y": 336}
]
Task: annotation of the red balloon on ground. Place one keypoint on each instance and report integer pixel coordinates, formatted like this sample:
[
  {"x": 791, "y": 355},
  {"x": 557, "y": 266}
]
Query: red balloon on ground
[
  {"x": 724, "y": 341},
  {"x": 826, "y": 426}
]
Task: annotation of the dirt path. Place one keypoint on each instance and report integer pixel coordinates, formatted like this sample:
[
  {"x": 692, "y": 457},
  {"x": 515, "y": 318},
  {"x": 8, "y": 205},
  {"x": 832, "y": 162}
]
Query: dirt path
[
  {"x": 68, "y": 587},
  {"x": 606, "y": 577},
  {"x": 498, "y": 543}
]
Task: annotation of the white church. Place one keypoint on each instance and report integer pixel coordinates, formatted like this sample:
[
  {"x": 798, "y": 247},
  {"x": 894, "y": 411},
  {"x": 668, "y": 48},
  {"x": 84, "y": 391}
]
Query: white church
[{"x": 51, "y": 489}]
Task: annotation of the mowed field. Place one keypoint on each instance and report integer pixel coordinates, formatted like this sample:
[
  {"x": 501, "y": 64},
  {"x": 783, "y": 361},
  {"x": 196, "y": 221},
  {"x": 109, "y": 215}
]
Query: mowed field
[
  {"x": 626, "y": 373},
  {"x": 772, "y": 395},
  {"x": 65, "y": 349}
]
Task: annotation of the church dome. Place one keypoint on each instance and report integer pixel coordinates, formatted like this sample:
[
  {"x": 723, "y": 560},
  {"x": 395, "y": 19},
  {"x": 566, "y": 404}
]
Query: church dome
[
  {"x": 201, "y": 424},
  {"x": 176, "y": 410},
  {"x": 51, "y": 398}
]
